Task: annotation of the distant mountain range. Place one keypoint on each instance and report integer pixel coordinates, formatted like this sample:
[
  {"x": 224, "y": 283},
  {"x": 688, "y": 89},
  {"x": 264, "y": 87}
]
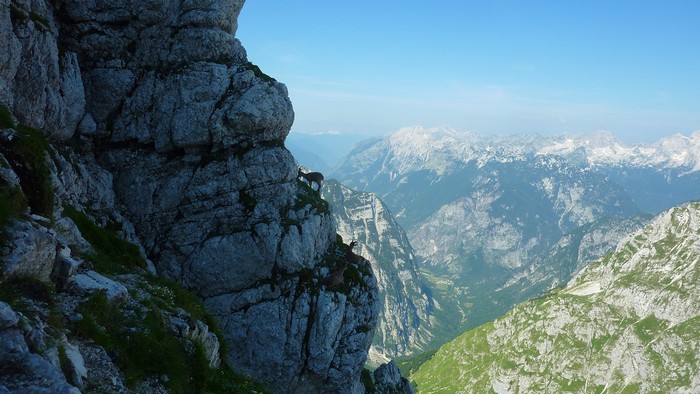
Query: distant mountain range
[
  {"x": 504, "y": 218},
  {"x": 627, "y": 323}
]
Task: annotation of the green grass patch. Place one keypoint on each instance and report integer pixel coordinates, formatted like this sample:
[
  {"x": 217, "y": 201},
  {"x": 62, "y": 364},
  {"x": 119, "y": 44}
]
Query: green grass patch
[
  {"x": 55, "y": 319},
  {"x": 17, "y": 15},
  {"x": 279, "y": 143},
  {"x": 508, "y": 364},
  {"x": 27, "y": 156},
  {"x": 13, "y": 288},
  {"x": 17, "y": 290},
  {"x": 226, "y": 381},
  {"x": 143, "y": 346},
  {"x": 572, "y": 386},
  {"x": 367, "y": 381},
  {"x": 39, "y": 21},
  {"x": 258, "y": 72},
  {"x": 308, "y": 196},
  {"x": 175, "y": 296},
  {"x": 666, "y": 245},
  {"x": 63, "y": 361},
  {"x": 408, "y": 365},
  {"x": 649, "y": 328},
  {"x": 12, "y": 206},
  {"x": 632, "y": 388},
  {"x": 5, "y": 118},
  {"x": 599, "y": 342},
  {"x": 112, "y": 254}
]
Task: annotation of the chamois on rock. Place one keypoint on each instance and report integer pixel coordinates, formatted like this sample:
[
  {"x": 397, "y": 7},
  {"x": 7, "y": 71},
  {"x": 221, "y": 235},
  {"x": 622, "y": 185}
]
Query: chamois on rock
[
  {"x": 350, "y": 256},
  {"x": 311, "y": 177},
  {"x": 336, "y": 278}
]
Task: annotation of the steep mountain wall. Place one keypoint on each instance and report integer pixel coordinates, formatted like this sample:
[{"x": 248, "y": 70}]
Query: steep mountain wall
[
  {"x": 407, "y": 318},
  {"x": 626, "y": 323},
  {"x": 155, "y": 116}
]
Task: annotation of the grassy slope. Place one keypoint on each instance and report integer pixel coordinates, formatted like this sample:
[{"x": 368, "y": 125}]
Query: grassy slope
[{"x": 636, "y": 335}]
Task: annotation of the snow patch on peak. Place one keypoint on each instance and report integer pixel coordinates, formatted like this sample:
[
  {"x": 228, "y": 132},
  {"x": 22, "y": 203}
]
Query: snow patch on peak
[
  {"x": 439, "y": 148},
  {"x": 601, "y": 148},
  {"x": 418, "y": 147},
  {"x": 585, "y": 289}
]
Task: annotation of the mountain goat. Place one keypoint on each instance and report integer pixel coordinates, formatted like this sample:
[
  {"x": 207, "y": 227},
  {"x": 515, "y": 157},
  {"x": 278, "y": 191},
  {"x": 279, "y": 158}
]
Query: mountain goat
[
  {"x": 337, "y": 277},
  {"x": 311, "y": 177}
]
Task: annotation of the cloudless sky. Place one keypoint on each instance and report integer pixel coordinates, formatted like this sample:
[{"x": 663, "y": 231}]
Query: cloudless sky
[{"x": 490, "y": 67}]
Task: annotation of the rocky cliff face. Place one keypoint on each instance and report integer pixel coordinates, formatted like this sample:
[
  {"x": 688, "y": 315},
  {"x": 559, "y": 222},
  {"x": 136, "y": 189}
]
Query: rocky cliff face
[
  {"x": 571, "y": 254},
  {"x": 155, "y": 117},
  {"x": 408, "y": 311},
  {"x": 626, "y": 323}
]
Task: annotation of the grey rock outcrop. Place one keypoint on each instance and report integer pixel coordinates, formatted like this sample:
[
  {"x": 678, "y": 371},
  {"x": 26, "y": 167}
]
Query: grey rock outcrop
[
  {"x": 31, "y": 251},
  {"x": 388, "y": 379},
  {"x": 91, "y": 282},
  {"x": 178, "y": 140},
  {"x": 209, "y": 186},
  {"x": 8, "y": 317},
  {"x": 23, "y": 370},
  {"x": 39, "y": 81},
  {"x": 77, "y": 364},
  {"x": 173, "y": 75}
]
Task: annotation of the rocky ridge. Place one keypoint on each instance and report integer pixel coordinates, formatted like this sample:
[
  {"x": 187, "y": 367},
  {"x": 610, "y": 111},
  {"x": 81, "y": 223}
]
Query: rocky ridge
[
  {"x": 407, "y": 317},
  {"x": 147, "y": 118},
  {"x": 626, "y": 323}
]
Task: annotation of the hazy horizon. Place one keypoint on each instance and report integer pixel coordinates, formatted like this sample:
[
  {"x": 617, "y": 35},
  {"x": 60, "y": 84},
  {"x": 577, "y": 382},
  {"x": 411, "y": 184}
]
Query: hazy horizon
[
  {"x": 628, "y": 141},
  {"x": 491, "y": 68}
]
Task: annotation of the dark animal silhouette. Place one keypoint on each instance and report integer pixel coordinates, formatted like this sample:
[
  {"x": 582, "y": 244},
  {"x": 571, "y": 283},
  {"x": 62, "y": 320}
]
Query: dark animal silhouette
[
  {"x": 311, "y": 177},
  {"x": 350, "y": 256},
  {"x": 337, "y": 277}
]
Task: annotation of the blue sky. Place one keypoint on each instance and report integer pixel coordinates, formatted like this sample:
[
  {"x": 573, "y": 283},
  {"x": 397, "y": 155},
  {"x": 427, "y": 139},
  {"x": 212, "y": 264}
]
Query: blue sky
[{"x": 490, "y": 67}]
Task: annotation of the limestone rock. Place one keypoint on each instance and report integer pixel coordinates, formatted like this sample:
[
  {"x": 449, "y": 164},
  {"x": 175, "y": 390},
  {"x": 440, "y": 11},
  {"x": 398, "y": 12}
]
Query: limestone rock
[
  {"x": 11, "y": 47},
  {"x": 388, "y": 379},
  {"x": 40, "y": 83},
  {"x": 103, "y": 375},
  {"x": 8, "y": 317},
  {"x": 209, "y": 342},
  {"x": 312, "y": 340},
  {"x": 23, "y": 371},
  {"x": 7, "y": 175},
  {"x": 199, "y": 333},
  {"x": 79, "y": 181},
  {"x": 181, "y": 141},
  {"x": 76, "y": 364},
  {"x": 91, "y": 281},
  {"x": 31, "y": 251},
  {"x": 176, "y": 78}
]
